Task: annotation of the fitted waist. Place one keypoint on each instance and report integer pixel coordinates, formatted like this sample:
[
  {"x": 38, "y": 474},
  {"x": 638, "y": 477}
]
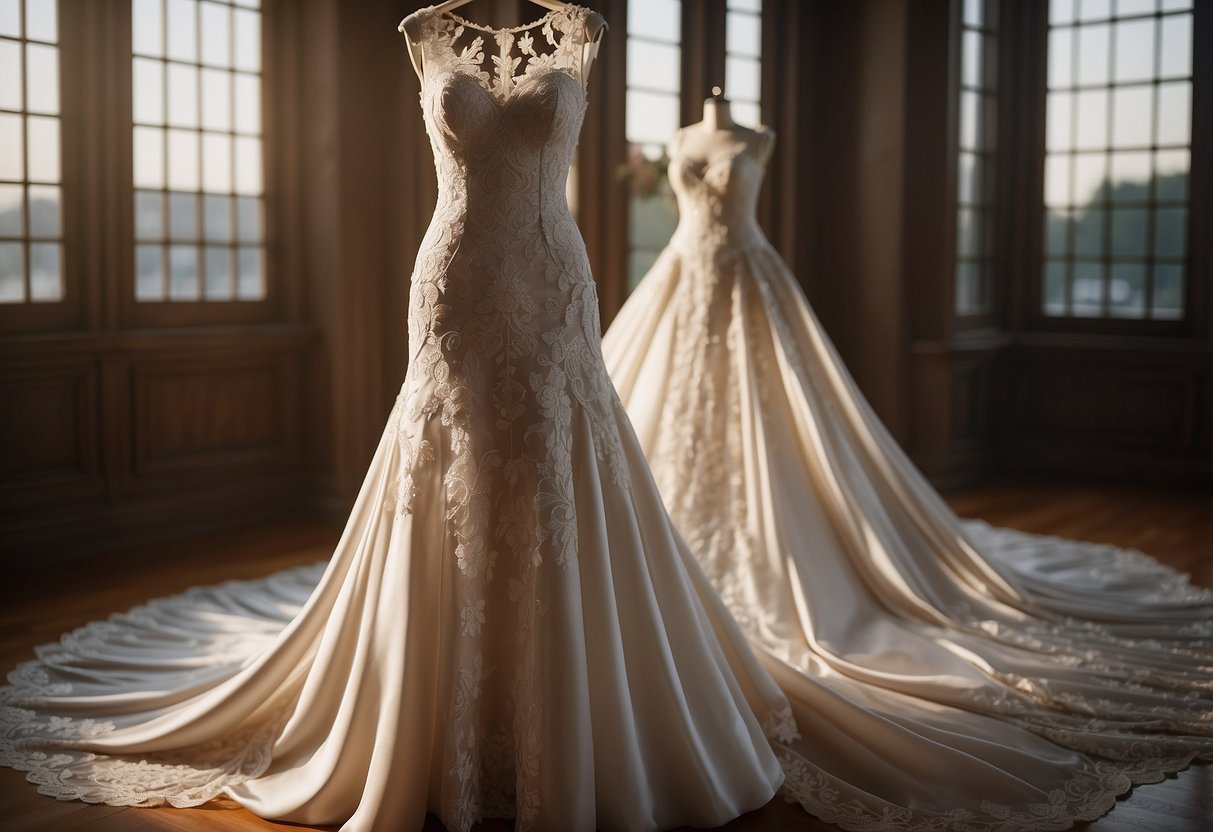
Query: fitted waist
[{"x": 709, "y": 237}]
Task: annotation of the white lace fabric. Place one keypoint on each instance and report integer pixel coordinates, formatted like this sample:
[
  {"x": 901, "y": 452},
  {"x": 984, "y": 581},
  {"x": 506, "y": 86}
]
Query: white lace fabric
[
  {"x": 510, "y": 626},
  {"x": 1035, "y": 678}
]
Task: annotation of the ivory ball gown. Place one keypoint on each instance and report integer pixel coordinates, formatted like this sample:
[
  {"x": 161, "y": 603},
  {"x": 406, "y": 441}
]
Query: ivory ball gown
[
  {"x": 510, "y": 626},
  {"x": 933, "y": 663}
]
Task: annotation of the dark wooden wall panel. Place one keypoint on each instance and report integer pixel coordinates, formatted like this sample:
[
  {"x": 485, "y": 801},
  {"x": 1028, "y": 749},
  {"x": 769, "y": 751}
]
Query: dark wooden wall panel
[{"x": 49, "y": 445}]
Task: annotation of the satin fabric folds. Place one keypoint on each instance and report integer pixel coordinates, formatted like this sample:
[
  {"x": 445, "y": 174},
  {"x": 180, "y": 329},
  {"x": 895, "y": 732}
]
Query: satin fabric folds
[{"x": 944, "y": 675}]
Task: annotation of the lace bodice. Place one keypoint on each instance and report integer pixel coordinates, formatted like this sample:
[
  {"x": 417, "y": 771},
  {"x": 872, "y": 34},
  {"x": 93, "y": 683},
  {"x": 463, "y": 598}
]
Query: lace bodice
[{"x": 717, "y": 203}]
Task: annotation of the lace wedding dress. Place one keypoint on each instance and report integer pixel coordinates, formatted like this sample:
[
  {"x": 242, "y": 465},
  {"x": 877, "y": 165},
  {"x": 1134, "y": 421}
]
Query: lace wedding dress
[
  {"x": 509, "y": 626},
  {"x": 920, "y": 652}
]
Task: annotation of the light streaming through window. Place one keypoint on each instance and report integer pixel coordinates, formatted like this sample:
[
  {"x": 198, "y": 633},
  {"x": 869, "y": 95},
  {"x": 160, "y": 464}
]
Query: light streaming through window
[
  {"x": 1118, "y": 134},
  {"x": 31, "y": 196},
  {"x": 199, "y": 207},
  {"x": 977, "y": 126},
  {"x": 743, "y": 60},
  {"x": 654, "y": 89}
]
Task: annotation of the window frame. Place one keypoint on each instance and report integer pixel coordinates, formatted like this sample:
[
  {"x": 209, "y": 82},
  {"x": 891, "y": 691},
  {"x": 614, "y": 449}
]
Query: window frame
[
  {"x": 170, "y": 313},
  {"x": 97, "y": 166},
  {"x": 1026, "y": 209}
]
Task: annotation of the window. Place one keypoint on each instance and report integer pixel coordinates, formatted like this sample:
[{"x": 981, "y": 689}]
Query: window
[
  {"x": 1118, "y": 148},
  {"x": 31, "y": 194},
  {"x": 199, "y": 206},
  {"x": 653, "y": 101},
  {"x": 976, "y": 129},
  {"x": 743, "y": 60}
]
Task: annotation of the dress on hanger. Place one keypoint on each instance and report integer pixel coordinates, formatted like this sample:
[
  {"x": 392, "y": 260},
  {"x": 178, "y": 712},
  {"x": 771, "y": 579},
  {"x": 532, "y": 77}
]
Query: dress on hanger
[
  {"x": 510, "y": 626},
  {"x": 934, "y": 645}
]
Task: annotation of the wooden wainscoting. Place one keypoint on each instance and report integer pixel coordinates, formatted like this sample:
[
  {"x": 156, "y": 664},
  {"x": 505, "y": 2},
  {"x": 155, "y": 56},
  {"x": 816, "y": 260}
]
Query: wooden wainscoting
[
  {"x": 136, "y": 436},
  {"x": 1134, "y": 409}
]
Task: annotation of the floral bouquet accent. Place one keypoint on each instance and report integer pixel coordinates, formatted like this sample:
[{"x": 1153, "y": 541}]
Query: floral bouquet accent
[{"x": 643, "y": 176}]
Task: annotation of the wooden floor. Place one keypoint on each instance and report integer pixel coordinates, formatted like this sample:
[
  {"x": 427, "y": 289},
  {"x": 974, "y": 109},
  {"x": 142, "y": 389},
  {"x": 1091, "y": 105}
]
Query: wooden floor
[{"x": 1175, "y": 527}]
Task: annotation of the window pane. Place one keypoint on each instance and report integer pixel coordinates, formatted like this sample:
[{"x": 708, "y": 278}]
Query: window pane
[
  {"x": 12, "y": 272},
  {"x": 149, "y": 273},
  {"x": 10, "y": 18},
  {"x": 11, "y": 75},
  {"x": 12, "y": 210},
  {"x": 1125, "y": 8},
  {"x": 743, "y": 34},
  {"x": 45, "y": 272},
  {"x": 218, "y": 272},
  {"x": 1059, "y": 121},
  {"x": 1174, "y": 113},
  {"x": 1057, "y": 179},
  {"x": 217, "y": 99},
  {"x": 1129, "y": 232},
  {"x": 248, "y": 166},
  {"x": 217, "y": 218},
  {"x": 248, "y": 219},
  {"x": 1130, "y": 177},
  {"x": 149, "y": 215},
  {"x": 251, "y": 274},
  {"x": 1127, "y": 290},
  {"x": 1176, "y": 46},
  {"x": 147, "y": 80},
  {"x": 743, "y": 79},
  {"x": 183, "y": 29},
  {"x": 1061, "y": 58},
  {"x": 1088, "y": 233},
  {"x": 1170, "y": 232},
  {"x": 1055, "y": 288},
  {"x": 651, "y": 117},
  {"x": 248, "y": 41},
  {"x": 1090, "y": 178},
  {"x": 45, "y": 211},
  {"x": 1087, "y": 290},
  {"x": 147, "y": 27},
  {"x": 1057, "y": 232},
  {"x": 41, "y": 21},
  {"x": 653, "y": 66},
  {"x": 149, "y": 157},
  {"x": 1133, "y": 115},
  {"x": 1134, "y": 50},
  {"x": 1095, "y": 9},
  {"x": 1171, "y": 174},
  {"x": 216, "y": 34},
  {"x": 1092, "y": 119},
  {"x": 657, "y": 19},
  {"x": 1093, "y": 54},
  {"x": 42, "y": 78},
  {"x": 248, "y": 104},
  {"x": 1061, "y": 11},
  {"x": 183, "y": 160},
  {"x": 43, "y": 161},
  {"x": 183, "y": 216},
  {"x": 1168, "y": 291},
  {"x": 183, "y": 273},
  {"x": 217, "y": 163},
  {"x": 182, "y": 96},
  {"x": 12, "y": 144}
]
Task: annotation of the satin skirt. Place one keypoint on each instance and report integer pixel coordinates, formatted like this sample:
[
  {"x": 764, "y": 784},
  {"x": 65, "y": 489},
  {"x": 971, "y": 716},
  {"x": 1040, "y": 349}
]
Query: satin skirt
[{"x": 936, "y": 667}]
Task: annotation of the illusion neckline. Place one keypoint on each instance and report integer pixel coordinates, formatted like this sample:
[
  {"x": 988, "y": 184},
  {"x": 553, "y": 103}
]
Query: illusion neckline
[{"x": 506, "y": 31}]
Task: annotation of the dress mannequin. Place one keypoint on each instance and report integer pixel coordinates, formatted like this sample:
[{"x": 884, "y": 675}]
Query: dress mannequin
[{"x": 718, "y": 136}]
